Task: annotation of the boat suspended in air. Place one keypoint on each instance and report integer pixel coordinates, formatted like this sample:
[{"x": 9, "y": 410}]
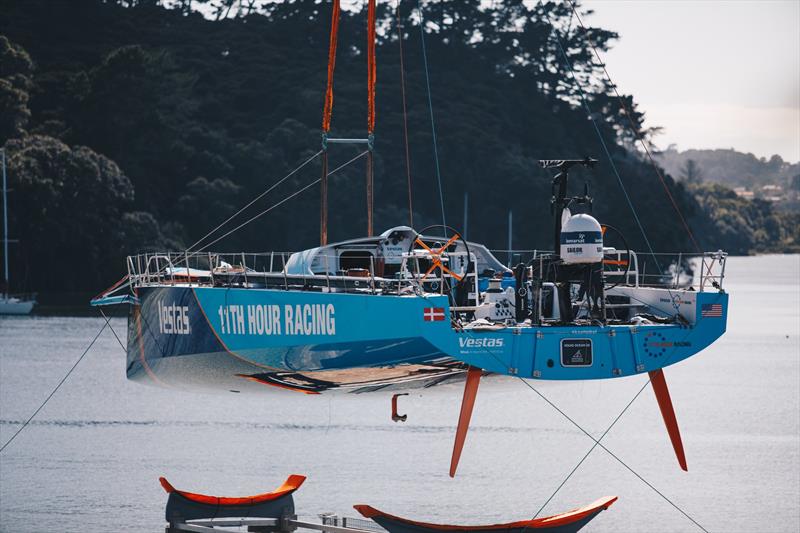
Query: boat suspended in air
[
  {"x": 407, "y": 308},
  {"x": 410, "y": 308}
]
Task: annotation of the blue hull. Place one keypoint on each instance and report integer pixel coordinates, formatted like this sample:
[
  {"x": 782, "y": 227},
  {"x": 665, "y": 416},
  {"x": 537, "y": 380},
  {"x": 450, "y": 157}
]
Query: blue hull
[{"x": 246, "y": 339}]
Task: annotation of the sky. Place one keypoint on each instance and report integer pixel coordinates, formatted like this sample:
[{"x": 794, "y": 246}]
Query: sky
[{"x": 712, "y": 73}]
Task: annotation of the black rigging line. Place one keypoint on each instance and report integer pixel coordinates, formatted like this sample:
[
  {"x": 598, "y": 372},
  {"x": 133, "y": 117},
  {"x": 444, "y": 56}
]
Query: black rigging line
[
  {"x": 596, "y": 441},
  {"x": 634, "y": 129},
  {"x": 74, "y": 366},
  {"x": 405, "y": 115}
]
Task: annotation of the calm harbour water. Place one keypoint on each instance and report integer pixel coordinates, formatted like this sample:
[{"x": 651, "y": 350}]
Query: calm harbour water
[{"x": 90, "y": 461}]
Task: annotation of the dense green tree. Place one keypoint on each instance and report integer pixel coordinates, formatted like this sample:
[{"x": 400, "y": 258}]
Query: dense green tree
[
  {"x": 203, "y": 110},
  {"x": 15, "y": 85},
  {"x": 68, "y": 207}
]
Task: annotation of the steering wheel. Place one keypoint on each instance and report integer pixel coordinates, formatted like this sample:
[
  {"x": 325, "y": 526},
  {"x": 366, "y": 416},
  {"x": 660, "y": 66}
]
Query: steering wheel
[
  {"x": 618, "y": 262},
  {"x": 437, "y": 252}
]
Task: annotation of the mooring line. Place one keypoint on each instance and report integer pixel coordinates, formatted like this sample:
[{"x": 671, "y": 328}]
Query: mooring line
[
  {"x": 595, "y": 441},
  {"x": 108, "y": 322},
  {"x": 243, "y": 224},
  {"x": 634, "y": 129},
  {"x": 257, "y": 198},
  {"x": 430, "y": 108},
  {"x": 74, "y": 366}
]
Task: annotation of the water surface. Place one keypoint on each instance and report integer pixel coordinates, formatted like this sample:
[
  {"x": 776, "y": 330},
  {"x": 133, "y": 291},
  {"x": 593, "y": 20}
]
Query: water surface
[{"x": 91, "y": 459}]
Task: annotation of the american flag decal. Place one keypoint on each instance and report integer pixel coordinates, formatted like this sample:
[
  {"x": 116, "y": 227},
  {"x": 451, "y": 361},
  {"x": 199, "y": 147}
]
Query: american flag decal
[
  {"x": 433, "y": 314},
  {"x": 711, "y": 310}
]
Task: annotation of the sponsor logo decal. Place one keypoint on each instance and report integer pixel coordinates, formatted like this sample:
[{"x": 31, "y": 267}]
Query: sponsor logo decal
[
  {"x": 173, "y": 319},
  {"x": 656, "y": 344},
  {"x": 480, "y": 342},
  {"x": 576, "y": 352},
  {"x": 586, "y": 237},
  {"x": 301, "y": 319}
]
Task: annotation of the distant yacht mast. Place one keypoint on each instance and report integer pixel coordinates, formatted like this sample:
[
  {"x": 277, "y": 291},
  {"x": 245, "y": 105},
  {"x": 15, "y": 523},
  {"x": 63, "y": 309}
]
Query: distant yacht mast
[{"x": 8, "y": 304}]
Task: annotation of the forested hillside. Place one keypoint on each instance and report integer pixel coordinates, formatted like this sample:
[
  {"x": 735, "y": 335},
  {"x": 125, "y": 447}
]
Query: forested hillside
[
  {"x": 131, "y": 126},
  {"x": 732, "y": 168}
]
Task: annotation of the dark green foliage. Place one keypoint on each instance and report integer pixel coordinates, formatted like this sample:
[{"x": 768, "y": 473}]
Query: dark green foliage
[
  {"x": 67, "y": 204},
  {"x": 202, "y": 115},
  {"x": 746, "y": 226}
]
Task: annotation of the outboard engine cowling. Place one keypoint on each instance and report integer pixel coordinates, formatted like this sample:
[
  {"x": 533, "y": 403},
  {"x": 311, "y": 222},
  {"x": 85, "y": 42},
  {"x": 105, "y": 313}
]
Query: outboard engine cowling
[{"x": 581, "y": 240}]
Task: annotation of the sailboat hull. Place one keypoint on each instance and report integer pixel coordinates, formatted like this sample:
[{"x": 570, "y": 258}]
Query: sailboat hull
[
  {"x": 247, "y": 339},
  {"x": 14, "y": 306}
]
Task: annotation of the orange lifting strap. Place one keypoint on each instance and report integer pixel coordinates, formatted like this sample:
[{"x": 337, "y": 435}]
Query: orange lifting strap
[
  {"x": 326, "y": 115},
  {"x": 328, "y": 111},
  {"x": 371, "y": 67}
]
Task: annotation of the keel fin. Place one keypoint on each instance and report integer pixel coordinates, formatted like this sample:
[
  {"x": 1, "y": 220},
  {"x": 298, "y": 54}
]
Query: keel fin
[
  {"x": 467, "y": 403},
  {"x": 668, "y": 413}
]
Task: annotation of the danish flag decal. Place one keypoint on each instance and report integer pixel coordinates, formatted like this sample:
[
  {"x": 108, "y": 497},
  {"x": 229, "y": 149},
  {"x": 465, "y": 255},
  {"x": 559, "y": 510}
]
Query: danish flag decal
[{"x": 433, "y": 314}]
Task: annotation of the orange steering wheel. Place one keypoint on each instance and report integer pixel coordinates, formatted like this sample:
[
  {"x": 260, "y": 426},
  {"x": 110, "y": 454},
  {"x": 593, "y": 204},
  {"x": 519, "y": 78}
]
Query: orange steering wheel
[{"x": 436, "y": 252}]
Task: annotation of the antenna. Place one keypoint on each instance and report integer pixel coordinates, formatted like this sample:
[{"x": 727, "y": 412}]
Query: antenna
[{"x": 559, "y": 200}]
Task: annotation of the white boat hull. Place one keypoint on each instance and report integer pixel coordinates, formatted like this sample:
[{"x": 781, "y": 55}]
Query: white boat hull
[{"x": 15, "y": 306}]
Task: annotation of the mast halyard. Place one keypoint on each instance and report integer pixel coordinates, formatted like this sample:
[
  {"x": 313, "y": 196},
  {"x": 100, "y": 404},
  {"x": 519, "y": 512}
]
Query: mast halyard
[{"x": 5, "y": 226}]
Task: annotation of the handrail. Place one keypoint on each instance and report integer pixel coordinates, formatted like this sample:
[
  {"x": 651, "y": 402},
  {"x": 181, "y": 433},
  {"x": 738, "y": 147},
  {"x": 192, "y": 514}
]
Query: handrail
[{"x": 703, "y": 272}]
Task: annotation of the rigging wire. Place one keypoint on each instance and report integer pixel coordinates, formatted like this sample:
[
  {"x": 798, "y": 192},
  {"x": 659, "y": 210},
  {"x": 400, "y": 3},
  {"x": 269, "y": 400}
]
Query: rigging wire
[
  {"x": 257, "y": 198},
  {"x": 430, "y": 108},
  {"x": 595, "y": 441},
  {"x": 262, "y": 213},
  {"x": 405, "y": 115},
  {"x": 585, "y": 102},
  {"x": 635, "y": 130},
  {"x": 58, "y": 386}
]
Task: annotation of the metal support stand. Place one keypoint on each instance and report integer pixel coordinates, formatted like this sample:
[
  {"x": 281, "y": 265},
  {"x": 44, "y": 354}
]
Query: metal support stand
[
  {"x": 323, "y": 210},
  {"x": 369, "y": 192},
  {"x": 323, "y": 214},
  {"x": 281, "y": 525}
]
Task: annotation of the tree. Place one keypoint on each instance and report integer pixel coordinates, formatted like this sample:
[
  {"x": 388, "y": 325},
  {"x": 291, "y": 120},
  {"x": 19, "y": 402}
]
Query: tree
[
  {"x": 68, "y": 210},
  {"x": 16, "y": 68},
  {"x": 691, "y": 172}
]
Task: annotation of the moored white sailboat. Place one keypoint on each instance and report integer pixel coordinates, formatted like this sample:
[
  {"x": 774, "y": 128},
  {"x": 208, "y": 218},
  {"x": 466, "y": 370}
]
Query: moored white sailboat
[{"x": 10, "y": 304}]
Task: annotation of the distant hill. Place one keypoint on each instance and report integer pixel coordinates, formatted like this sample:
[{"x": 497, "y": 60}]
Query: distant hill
[{"x": 731, "y": 168}]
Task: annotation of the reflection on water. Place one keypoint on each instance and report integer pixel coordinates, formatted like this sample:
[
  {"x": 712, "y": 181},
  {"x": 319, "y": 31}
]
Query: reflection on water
[{"x": 91, "y": 459}]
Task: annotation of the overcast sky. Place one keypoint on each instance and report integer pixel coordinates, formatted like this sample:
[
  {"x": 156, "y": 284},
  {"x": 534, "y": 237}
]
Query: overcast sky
[{"x": 714, "y": 74}]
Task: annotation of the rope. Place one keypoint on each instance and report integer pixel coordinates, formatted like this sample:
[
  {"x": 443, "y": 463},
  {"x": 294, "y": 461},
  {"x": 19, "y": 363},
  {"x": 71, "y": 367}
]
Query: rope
[
  {"x": 328, "y": 109},
  {"x": 262, "y": 213},
  {"x": 635, "y": 130},
  {"x": 405, "y": 115},
  {"x": 257, "y": 198},
  {"x": 595, "y": 441},
  {"x": 69, "y": 372},
  {"x": 588, "y": 109},
  {"x": 612, "y": 454},
  {"x": 430, "y": 108}
]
